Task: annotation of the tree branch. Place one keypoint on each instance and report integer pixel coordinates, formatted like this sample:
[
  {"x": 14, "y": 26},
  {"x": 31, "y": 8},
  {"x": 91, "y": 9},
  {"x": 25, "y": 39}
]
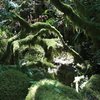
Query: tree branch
[
  {"x": 8, "y": 51},
  {"x": 34, "y": 28},
  {"x": 67, "y": 10},
  {"x": 92, "y": 29}
]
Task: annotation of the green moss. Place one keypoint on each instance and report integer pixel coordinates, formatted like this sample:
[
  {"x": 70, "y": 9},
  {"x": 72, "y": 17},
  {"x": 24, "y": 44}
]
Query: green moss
[
  {"x": 6, "y": 67},
  {"x": 92, "y": 89},
  {"x": 53, "y": 47},
  {"x": 51, "y": 90},
  {"x": 3, "y": 43},
  {"x": 39, "y": 73},
  {"x": 51, "y": 42},
  {"x": 36, "y": 53},
  {"x": 13, "y": 85}
]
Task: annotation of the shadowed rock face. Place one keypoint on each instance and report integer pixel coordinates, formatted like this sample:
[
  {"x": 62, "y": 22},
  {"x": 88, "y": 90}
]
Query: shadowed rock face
[
  {"x": 66, "y": 74},
  {"x": 51, "y": 90}
]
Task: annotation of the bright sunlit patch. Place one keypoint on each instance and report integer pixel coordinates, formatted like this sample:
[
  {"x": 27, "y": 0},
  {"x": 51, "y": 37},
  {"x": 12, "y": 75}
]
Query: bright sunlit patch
[{"x": 64, "y": 58}]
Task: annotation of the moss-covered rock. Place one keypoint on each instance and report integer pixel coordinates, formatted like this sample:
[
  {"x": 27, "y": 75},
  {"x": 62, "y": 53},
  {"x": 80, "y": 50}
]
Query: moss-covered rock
[
  {"x": 35, "y": 53},
  {"x": 38, "y": 74},
  {"x": 92, "y": 89},
  {"x": 13, "y": 85},
  {"x": 51, "y": 90},
  {"x": 6, "y": 67},
  {"x": 52, "y": 47}
]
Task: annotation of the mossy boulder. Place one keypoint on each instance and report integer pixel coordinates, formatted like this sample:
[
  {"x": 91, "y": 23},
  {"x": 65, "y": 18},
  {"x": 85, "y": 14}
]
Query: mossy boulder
[
  {"x": 52, "y": 47},
  {"x": 92, "y": 89},
  {"x": 13, "y": 85},
  {"x": 35, "y": 53},
  {"x": 38, "y": 74},
  {"x": 6, "y": 67},
  {"x": 51, "y": 90}
]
